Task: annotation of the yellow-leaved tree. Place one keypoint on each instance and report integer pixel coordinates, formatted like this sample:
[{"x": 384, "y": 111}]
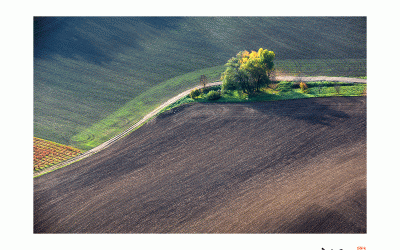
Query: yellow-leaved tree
[{"x": 249, "y": 71}]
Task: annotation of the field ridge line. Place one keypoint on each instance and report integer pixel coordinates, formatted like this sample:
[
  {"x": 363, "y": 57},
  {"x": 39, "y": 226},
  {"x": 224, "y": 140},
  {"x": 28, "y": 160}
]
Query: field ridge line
[
  {"x": 109, "y": 142},
  {"x": 176, "y": 98}
]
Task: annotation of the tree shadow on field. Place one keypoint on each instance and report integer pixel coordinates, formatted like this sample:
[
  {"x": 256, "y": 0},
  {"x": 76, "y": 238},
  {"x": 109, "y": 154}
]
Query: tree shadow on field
[
  {"x": 315, "y": 111},
  {"x": 318, "y": 219}
]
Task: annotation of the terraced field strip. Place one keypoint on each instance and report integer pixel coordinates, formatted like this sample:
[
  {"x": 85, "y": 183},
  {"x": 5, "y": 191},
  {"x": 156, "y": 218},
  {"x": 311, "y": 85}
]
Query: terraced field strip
[{"x": 176, "y": 98}]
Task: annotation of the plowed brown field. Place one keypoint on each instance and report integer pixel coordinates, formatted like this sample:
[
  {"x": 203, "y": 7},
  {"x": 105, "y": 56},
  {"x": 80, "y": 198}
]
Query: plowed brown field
[{"x": 295, "y": 166}]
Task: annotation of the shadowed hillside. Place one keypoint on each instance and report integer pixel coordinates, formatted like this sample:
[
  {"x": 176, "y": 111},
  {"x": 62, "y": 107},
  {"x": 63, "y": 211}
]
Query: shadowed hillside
[
  {"x": 97, "y": 73},
  {"x": 296, "y": 166}
]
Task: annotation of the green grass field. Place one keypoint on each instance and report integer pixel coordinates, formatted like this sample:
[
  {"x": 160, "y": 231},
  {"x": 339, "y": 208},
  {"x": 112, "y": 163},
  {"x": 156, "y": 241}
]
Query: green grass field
[
  {"x": 94, "y": 77},
  {"x": 137, "y": 108},
  {"x": 315, "y": 89}
]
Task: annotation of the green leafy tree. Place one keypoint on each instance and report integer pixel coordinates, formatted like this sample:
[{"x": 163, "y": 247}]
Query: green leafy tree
[
  {"x": 267, "y": 58},
  {"x": 213, "y": 95},
  {"x": 194, "y": 93},
  {"x": 248, "y": 71},
  {"x": 256, "y": 73},
  {"x": 234, "y": 77}
]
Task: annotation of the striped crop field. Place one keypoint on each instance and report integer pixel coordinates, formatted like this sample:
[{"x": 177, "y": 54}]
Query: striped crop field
[
  {"x": 96, "y": 76},
  {"x": 47, "y": 153},
  {"x": 322, "y": 67}
]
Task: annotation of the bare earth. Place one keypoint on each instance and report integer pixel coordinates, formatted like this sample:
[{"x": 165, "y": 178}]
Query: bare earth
[
  {"x": 296, "y": 166},
  {"x": 176, "y": 98}
]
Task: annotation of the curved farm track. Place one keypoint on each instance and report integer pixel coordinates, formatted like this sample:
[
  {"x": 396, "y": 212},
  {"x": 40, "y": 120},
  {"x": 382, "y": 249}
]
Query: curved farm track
[
  {"x": 296, "y": 166},
  {"x": 176, "y": 98}
]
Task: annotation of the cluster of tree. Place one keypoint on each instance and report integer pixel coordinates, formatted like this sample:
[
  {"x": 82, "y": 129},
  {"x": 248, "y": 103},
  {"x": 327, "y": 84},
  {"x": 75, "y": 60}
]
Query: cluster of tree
[
  {"x": 248, "y": 71},
  {"x": 209, "y": 94}
]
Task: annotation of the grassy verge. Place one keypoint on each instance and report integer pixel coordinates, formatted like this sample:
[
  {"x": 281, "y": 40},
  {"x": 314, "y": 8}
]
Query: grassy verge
[
  {"x": 315, "y": 89},
  {"x": 137, "y": 108},
  {"x": 89, "y": 70},
  {"x": 88, "y": 132}
]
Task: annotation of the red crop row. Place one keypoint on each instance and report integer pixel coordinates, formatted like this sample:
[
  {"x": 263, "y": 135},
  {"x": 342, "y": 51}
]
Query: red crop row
[{"x": 47, "y": 153}]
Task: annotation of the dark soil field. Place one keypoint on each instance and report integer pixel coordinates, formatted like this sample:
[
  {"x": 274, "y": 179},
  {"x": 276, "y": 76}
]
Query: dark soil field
[{"x": 296, "y": 166}]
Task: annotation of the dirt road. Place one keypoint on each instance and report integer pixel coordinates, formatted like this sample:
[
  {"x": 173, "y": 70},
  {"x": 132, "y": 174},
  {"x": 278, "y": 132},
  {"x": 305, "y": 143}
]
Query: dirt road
[
  {"x": 296, "y": 166},
  {"x": 172, "y": 100},
  {"x": 121, "y": 135}
]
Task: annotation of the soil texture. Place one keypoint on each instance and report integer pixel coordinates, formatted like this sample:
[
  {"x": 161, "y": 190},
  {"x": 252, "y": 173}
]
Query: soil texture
[{"x": 296, "y": 166}]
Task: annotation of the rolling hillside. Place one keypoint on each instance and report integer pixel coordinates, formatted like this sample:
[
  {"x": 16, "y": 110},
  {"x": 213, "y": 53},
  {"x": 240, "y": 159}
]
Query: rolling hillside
[
  {"x": 95, "y": 76},
  {"x": 295, "y": 166}
]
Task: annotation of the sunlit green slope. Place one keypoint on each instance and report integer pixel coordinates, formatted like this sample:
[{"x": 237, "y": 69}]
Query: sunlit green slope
[{"x": 93, "y": 77}]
